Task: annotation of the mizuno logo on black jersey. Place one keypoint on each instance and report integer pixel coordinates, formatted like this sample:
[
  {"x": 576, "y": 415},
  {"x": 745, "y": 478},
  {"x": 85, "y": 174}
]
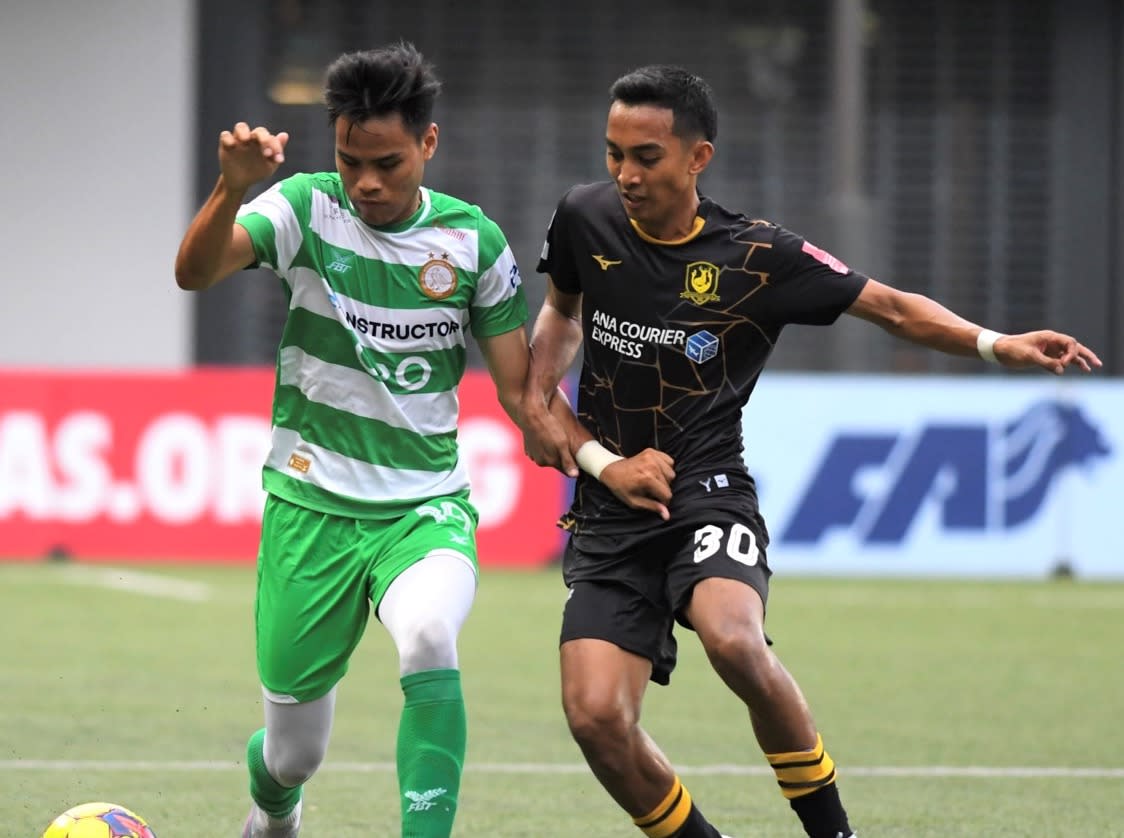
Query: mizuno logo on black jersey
[{"x": 603, "y": 262}]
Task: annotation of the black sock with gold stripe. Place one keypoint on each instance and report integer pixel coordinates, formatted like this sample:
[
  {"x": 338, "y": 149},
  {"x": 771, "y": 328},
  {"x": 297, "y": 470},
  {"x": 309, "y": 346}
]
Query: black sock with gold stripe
[
  {"x": 807, "y": 780},
  {"x": 676, "y": 817}
]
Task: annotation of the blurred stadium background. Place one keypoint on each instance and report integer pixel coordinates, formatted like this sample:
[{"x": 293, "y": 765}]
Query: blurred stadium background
[
  {"x": 970, "y": 150},
  {"x": 967, "y": 149},
  {"x": 964, "y": 149}
]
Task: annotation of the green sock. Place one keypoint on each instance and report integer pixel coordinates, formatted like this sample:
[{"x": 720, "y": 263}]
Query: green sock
[
  {"x": 431, "y": 744},
  {"x": 273, "y": 798}
]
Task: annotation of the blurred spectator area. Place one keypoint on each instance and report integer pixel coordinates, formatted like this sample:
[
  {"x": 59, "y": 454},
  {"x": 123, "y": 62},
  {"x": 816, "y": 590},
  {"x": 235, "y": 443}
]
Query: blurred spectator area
[{"x": 966, "y": 149}]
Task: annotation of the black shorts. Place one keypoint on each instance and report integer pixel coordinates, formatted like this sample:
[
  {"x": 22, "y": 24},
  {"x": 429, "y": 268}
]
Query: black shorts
[{"x": 631, "y": 588}]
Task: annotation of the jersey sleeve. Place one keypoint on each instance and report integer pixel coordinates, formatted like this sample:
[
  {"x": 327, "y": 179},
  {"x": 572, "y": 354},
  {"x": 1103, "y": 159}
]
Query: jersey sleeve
[
  {"x": 557, "y": 257},
  {"x": 499, "y": 304},
  {"x": 273, "y": 221},
  {"x": 809, "y": 286}
]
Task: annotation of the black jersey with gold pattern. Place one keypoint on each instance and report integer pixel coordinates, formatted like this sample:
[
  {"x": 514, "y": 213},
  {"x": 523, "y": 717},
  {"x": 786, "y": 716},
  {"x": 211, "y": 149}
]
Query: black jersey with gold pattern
[{"x": 677, "y": 333}]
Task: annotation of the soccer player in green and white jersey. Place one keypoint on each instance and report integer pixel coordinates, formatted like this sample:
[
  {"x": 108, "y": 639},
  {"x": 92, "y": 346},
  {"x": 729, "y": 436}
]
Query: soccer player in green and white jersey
[{"x": 367, "y": 498}]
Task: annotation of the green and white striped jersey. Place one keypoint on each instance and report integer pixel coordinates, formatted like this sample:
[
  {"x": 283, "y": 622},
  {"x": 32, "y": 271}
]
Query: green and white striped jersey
[{"x": 365, "y": 407}]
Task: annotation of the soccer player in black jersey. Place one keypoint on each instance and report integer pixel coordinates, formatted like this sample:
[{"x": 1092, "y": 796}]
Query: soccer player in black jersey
[{"x": 680, "y": 301}]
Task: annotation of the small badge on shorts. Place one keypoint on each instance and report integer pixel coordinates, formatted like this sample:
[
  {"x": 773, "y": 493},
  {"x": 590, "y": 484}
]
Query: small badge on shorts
[
  {"x": 717, "y": 481},
  {"x": 299, "y": 463},
  {"x": 438, "y": 277}
]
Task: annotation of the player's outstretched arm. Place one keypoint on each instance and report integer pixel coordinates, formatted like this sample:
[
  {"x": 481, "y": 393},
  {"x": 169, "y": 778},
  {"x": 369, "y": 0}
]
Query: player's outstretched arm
[
  {"x": 214, "y": 246},
  {"x": 1050, "y": 350},
  {"x": 917, "y": 318}
]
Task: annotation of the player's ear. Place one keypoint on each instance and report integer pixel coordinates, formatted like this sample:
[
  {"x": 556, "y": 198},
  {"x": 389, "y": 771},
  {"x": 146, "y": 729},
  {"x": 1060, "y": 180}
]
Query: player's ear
[
  {"x": 429, "y": 141},
  {"x": 701, "y": 154}
]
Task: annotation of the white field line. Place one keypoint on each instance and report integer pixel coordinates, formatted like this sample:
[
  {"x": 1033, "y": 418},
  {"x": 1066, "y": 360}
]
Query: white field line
[
  {"x": 908, "y": 771},
  {"x": 136, "y": 582},
  {"x": 1046, "y": 595}
]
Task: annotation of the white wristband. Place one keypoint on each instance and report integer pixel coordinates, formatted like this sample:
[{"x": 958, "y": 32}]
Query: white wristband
[
  {"x": 592, "y": 457},
  {"x": 985, "y": 344}
]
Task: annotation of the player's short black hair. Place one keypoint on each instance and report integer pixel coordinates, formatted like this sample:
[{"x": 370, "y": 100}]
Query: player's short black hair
[
  {"x": 687, "y": 96},
  {"x": 381, "y": 82}
]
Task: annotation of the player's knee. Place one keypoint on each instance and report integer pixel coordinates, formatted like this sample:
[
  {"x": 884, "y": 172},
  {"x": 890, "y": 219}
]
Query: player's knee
[
  {"x": 295, "y": 765},
  {"x": 431, "y": 644},
  {"x": 741, "y": 655},
  {"x": 597, "y": 719}
]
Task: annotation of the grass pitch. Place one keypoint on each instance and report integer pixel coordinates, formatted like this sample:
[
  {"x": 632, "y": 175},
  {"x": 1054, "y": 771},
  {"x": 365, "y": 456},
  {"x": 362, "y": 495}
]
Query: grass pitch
[{"x": 951, "y": 708}]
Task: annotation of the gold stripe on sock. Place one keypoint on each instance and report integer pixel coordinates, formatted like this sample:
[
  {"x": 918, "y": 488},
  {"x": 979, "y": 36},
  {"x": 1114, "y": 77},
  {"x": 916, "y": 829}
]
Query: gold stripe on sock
[
  {"x": 669, "y": 816},
  {"x": 802, "y": 772},
  {"x": 797, "y": 757}
]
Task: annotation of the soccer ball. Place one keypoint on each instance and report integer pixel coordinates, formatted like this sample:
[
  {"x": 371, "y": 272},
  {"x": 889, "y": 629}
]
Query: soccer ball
[{"x": 98, "y": 820}]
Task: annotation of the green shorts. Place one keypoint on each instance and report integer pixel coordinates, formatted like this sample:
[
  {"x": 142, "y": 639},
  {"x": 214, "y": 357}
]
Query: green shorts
[{"x": 320, "y": 574}]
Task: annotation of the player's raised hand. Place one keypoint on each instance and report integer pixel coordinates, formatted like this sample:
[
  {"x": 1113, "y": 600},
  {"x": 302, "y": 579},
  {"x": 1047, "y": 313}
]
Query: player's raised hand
[
  {"x": 642, "y": 481},
  {"x": 247, "y": 156},
  {"x": 1052, "y": 351}
]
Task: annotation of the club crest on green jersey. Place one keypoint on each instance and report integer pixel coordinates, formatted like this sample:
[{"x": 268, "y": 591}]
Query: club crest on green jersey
[
  {"x": 701, "y": 283},
  {"x": 438, "y": 278}
]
